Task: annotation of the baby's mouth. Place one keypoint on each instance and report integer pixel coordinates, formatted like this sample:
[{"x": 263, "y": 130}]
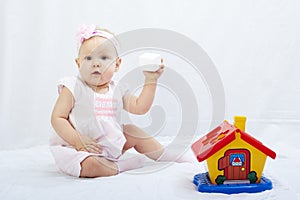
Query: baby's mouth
[{"x": 96, "y": 73}]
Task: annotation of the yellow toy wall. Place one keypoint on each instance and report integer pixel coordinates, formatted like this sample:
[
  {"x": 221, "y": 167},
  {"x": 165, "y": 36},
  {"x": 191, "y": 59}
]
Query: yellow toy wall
[{"x": 257, "y": 159}]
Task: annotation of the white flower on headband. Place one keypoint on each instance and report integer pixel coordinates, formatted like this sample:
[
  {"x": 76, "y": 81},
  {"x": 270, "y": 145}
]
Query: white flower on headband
[{"x": 85, "y": 32}]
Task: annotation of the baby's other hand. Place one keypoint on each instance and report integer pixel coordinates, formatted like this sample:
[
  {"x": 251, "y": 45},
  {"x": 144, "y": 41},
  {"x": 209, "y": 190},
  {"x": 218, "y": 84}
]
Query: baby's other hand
[
  {"x": 89, "y": 145},
  {"x": 153, "y": 76}
]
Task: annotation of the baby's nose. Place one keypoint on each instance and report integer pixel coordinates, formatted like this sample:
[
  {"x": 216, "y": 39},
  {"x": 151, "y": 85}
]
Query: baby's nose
[{"x": 97, "y": 63}]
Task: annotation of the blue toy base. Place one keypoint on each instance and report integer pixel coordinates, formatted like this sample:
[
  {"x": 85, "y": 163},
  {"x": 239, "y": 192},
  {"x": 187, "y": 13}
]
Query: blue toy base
[{"x": 204, "y": 185}]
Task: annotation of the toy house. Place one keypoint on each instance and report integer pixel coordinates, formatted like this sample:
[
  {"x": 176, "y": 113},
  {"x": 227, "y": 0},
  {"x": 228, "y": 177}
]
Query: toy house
[{"x": 234, "y": 158}]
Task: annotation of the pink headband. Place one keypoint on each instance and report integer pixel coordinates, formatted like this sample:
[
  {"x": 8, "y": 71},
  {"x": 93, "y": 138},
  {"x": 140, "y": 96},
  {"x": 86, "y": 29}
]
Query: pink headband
[{"x": 85, "y": 32}]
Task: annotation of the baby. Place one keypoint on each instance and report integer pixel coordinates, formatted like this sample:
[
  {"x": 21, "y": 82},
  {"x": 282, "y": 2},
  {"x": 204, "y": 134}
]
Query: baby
[{"x": 89, "y": 139}]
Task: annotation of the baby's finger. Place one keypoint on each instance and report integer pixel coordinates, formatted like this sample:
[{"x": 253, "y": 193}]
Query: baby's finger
[
  {"x": 160, "y": 70},
  {"x": 96, "y": 148},
  {"x": 91, "y": 149}
]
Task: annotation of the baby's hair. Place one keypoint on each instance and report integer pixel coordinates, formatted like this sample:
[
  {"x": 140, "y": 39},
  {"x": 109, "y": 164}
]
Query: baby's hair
[
  {"x": 107, "y": 30},
  {"x": 104, "y": 29}
]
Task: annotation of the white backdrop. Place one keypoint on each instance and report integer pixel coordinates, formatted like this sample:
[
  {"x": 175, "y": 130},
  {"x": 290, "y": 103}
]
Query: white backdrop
[{"x": 255, "y": 46}]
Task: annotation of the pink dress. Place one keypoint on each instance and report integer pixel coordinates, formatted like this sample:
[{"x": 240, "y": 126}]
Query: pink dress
[{"x": 95, "y": 115}]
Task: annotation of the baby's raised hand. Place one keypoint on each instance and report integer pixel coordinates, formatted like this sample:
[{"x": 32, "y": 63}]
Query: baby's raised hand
[
  {"x": 88, "y": 144},
  {"x": 153, "y": 76}
]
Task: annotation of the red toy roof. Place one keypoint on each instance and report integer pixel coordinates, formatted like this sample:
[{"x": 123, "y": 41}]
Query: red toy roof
[{"x": 220, "y": 137}]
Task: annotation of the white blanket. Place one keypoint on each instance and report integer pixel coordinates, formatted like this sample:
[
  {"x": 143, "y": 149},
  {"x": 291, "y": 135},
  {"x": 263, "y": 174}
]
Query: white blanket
[{"x": 31, "y": 174}]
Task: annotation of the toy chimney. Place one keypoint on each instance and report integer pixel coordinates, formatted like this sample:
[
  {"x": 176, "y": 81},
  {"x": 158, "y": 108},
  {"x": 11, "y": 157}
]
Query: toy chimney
[{"x": 240, "y": 122}]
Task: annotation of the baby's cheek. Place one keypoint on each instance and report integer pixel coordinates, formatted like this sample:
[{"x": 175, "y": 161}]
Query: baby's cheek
[{"x": 109, "y": 68}]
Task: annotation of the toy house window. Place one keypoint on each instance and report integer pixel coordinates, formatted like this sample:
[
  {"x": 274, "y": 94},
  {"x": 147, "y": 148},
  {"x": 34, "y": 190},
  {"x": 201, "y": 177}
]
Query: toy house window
[{"x": 237, "y": 159}]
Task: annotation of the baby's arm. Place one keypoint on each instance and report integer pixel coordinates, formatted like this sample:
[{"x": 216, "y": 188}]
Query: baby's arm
[
  {"x": 64, "y": 129},
  {"x": 142, "y": 103}
]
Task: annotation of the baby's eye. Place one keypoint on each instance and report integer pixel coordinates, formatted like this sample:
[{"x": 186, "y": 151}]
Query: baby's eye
[
  {"x": 88, "y": 58},
  {"x": 104, "y": 57}
]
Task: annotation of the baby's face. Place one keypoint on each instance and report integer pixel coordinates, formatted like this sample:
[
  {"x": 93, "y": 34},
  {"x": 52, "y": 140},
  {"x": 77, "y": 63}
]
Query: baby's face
[{"x": 97, "y": 61}]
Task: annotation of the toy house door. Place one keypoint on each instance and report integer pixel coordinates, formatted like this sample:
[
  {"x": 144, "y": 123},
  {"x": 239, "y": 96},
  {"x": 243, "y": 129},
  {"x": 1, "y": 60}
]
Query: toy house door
[{"x": 235, "y": 163}]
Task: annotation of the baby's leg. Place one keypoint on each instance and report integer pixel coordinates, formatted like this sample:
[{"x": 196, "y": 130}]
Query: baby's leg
[
  {"x": 145, "y": 144},
  {"x": 94, "y": 166},
  {"x": 141, "y": 142},
  {"x": 131, "y": 163}
]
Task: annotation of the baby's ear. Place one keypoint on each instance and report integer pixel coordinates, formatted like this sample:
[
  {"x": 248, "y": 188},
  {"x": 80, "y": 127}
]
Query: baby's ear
[
  {"x": 77, "y": 62},
  {"x": 118, "y": 63}
]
